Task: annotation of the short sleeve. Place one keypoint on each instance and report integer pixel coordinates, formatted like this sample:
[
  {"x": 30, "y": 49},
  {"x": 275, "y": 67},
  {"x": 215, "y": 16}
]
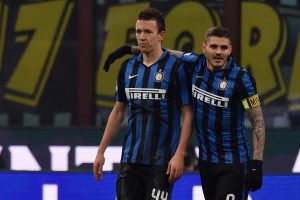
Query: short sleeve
[
  {"x": 190, "y": 61},
  {"x": 120, "y": 94},
  {"x": 248, "y": 91}
]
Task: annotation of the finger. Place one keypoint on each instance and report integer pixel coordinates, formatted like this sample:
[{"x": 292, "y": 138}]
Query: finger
[
  {"x": 171, "y": 175},
  {"x": 98, "y": 171},
  {"x": 95, "y": 171},
  {"x": 169, "y": 169}
]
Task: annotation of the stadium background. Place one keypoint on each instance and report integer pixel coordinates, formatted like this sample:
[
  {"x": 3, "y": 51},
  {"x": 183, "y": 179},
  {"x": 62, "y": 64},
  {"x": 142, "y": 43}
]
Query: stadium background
[{"x": 55, "y": 98}]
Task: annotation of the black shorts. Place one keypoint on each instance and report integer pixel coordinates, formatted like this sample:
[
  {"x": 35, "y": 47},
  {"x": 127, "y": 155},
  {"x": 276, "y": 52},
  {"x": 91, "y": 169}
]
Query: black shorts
[
  {"x": 223, "y": 181},
  {"x": 143, "y": 182}
]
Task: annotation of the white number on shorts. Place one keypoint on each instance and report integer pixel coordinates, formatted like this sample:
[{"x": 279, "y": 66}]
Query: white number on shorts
[
  {"x": 159, "y": 194},
  {"x": 230, "y": 197}
]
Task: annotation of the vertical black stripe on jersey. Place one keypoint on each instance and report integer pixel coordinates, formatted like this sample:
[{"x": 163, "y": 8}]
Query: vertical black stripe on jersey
[
  {"x": 172, "y": 79},
  {"x": 132, "y": 83},
  {"x": 157, "y": 121},
  {"x": 139, "y": 157},
  {"x": 195, "y": 103},
  {"x": 205, "y": 114},
  {"x": 234, "y": 119},
  {"x": 219, "y": 123}
]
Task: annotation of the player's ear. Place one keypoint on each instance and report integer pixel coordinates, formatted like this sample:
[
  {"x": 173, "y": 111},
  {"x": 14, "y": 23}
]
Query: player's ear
[
  {"x": 204, "y": 47},
  {"x": 161, "y": 35},
  {"x": 230, "y": 49}
]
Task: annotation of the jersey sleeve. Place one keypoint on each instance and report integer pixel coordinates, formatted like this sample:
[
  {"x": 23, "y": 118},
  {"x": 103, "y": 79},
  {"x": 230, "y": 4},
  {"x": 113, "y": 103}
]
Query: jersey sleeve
[
  {"x": 120, "y": 94},
  {"x": 189, "y": 57},
  {"x": 248, "y": 91},
  {"x": 184, "y": 86},
  {"x": 190, "y": 61}
]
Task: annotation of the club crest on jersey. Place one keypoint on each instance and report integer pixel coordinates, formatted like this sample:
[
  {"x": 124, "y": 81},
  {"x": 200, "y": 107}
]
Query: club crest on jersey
[
  {"x": 159, "y": 76},
  {"x": 223, "y": 85}
]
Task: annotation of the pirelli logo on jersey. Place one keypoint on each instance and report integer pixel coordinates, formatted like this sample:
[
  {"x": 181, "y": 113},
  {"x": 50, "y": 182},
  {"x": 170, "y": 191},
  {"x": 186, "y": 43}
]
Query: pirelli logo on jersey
[
  {"x": 251, "y": 102},
  {"x": 209, "y": 98},
  {"x": 145, "y": 93}
]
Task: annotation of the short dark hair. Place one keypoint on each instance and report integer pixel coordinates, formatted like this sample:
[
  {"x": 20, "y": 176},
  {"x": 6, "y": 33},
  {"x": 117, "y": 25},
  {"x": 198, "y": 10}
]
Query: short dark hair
[
  {"x": 153, "y": 14},
  {"x": 218, "y": 32}
]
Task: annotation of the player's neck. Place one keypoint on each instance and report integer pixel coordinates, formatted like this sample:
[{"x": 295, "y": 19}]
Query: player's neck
[
  {"x": 215, "y": 68},
  {"x": 152, "y": 57}
]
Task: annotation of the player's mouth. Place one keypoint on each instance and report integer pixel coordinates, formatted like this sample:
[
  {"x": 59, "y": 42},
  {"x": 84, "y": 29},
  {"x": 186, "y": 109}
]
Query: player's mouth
[
  {"x": 218, "y": 59},
  {"x": 143, "y": 44}
]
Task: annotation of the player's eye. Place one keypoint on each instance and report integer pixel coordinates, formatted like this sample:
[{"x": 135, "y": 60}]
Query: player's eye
[
  {"x": 224, "y": 47},
  {"x": 213, "y": 46}
]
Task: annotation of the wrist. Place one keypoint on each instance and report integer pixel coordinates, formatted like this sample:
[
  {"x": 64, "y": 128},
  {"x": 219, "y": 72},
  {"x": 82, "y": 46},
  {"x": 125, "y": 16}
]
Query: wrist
[
  {"x": 101, "y": 149},
  {"x": 135, "y": 49}
]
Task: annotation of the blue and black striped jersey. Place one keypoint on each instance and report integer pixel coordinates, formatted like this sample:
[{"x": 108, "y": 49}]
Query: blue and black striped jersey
[
  {"x": 219, "y": 102},
  {"x": 155, "y": 96}
]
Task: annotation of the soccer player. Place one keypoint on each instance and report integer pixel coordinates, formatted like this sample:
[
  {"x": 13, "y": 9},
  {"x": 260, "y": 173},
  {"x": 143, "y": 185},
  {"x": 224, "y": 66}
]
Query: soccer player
[
  {"x": 153, "y": 87},
  {"x": 222, "y": 92}
]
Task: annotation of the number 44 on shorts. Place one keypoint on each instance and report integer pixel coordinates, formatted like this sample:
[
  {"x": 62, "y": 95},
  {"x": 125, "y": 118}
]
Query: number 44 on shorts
[{"x": 159, "y": 195}]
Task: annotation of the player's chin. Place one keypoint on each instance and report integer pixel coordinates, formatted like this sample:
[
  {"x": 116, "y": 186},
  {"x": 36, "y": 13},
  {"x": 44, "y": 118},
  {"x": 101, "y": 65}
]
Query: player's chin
[
  {"x": 145, "y": 50},
  {"x": 219, "y": 63},
  {"x": 143, "y": 46}
]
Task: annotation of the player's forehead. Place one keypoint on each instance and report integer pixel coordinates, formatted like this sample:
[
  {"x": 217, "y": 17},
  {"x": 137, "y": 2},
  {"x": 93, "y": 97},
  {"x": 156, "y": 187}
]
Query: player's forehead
[
  {"x": 219, "y": 41},
  {"x": 146, "y": 24}
]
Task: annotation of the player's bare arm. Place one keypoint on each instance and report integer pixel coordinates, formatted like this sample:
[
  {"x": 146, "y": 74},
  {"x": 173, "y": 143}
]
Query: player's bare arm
[
  {"x": 176, "y": 164},
  {"x": 175, "y": 53},
  {"x": 114, "y": 122},
  {"x": 258, "y": 130}
]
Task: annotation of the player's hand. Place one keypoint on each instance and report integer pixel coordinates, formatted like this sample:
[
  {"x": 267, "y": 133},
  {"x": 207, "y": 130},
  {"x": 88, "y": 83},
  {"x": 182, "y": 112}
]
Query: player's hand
[
  {"x": 117, "y": 53},
  {"x": 175, "y": 168},
  {"x": 255, "y": 175},
  {"x": 98, "y": 166}
]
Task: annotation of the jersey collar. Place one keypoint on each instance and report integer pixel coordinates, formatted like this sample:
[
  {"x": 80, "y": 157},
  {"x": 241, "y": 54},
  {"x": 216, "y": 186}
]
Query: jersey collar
[{"x": 165, "y": 52}]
